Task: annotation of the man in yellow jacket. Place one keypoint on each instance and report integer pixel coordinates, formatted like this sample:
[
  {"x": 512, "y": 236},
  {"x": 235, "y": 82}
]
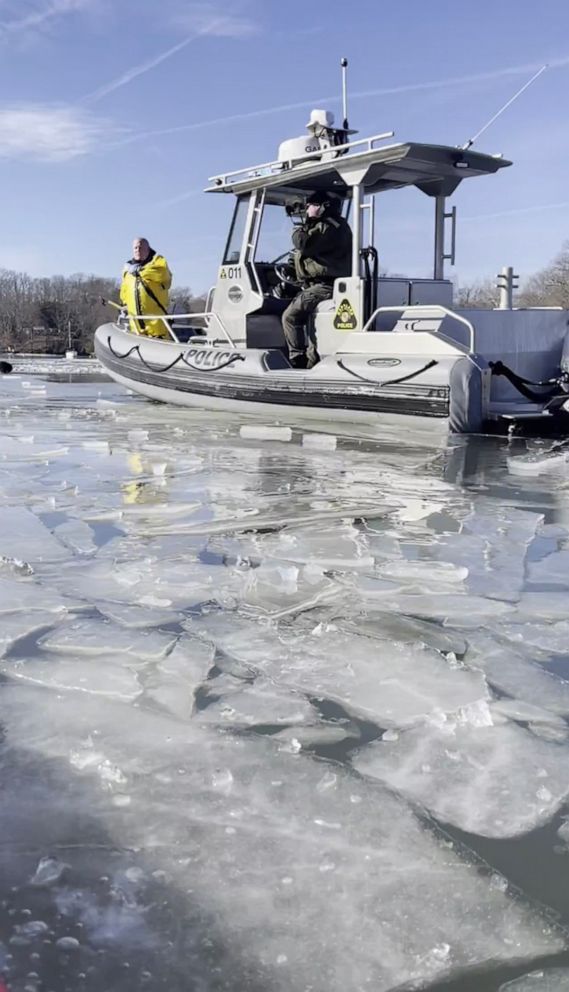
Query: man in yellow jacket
[{"x": 146, "y": 282}]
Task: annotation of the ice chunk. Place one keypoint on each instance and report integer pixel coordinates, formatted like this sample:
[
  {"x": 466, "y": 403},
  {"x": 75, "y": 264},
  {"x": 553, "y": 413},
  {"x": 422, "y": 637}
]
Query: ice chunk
[
  {"x": 549, "y": 638},
  {"x": 497, "y": 781},
  {"x": 98, "y": 678},
  {"x": 100, "y": 637},
  {"x": 18, "y": 625},
  {"x": 259, "y": 703},
  {"x": 139, "y": 615},
  {"x": 548, "y": 980},
  {"x": 388, "y": 682},
  {"x": 23, "y": 535},
  {"x": 318, "y": 734},
  {"x": 386, "y": 626},
  {"x": 427, "y": 573},
  {"x": 260, "y": 432},
  {"x": 533, "y": 465},
  {"x": 322, "y": 442},
  {"x": 513, "y": 673},
  {"x": 458, "y": 610},
  {"x": 515, "y": 709},
  {"x": 27, "y": 594},
  {"x": 77, "y": 535},
  {"x": 177, "y": 676},
  {"x": 331, "y": 854},
  {"x": 541, "y": 606},
  {"x": 48, "y": 872}
]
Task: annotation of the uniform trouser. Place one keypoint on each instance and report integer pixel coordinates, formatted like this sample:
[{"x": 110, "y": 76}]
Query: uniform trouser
[{"x": 295, "y": 319}]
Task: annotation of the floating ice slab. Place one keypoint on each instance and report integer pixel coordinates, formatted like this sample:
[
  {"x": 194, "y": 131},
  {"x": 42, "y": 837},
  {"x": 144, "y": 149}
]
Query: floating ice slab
[
  {"x": 94, "y": 677},
  {"x": 330, "y": 853},
  {"x": 385, "y": 681},
  {"x": 23, "y": 535},
  {"x": 21, "y": 595},
  {"x": 322, "y": 442},
  {"x": 259, "y": 703},
  {"x": 15, "y": 626},
  {"x": 497, "y": 781},
  {"x": 179, "y": 674},
  {"x": 515, "y": 674},
  {"x": 458, "y": 610},
  {"x": 99, "y": 637},
  {"x": 548, "y": 980},
  {"x": 77, "y": 535},
  {"x": 259, "y": 432}
]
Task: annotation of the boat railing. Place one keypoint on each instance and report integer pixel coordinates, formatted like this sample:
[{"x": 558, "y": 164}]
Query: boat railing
[
  {"x": 429, "y": 310},
  {"x": 170, "y": 319},
  {"x": 363, "y": 145}
]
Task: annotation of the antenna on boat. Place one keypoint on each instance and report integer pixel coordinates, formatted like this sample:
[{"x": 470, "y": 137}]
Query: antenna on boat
[
  {"x": 344, "y": 65},
  {"x": 471, "y": 141}
]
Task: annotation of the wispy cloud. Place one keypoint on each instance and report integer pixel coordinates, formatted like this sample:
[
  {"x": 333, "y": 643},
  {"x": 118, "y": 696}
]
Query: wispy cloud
[
  {"x": 536, "y": 208},
  {"x": 209, "y": 18},
  {"x": 49, "y": 134},
  {"x": 199, "y": 20},
  {"x": 138, "y": 70},
  {"x": 418, "y": 87},
  {"x": 37, "y": 15}
]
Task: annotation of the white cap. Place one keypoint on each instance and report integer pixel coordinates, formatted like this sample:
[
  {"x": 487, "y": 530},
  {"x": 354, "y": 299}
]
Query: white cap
[{"x": 320, "y": 118}]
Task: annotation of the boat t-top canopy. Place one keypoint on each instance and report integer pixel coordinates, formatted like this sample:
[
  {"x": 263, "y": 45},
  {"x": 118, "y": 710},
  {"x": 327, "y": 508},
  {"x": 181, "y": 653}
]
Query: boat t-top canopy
[{"x": 434, "y": 169}]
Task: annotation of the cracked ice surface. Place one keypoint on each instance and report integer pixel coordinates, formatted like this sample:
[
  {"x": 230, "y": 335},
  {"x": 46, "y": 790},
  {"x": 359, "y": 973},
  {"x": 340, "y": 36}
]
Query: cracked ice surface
[
  {"x": 203, "y": 633},
  {"x": 283, "y": 852}
]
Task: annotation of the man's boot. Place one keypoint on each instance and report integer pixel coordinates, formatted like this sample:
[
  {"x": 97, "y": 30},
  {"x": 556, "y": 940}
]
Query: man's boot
[{"x": 299, "y": 361}]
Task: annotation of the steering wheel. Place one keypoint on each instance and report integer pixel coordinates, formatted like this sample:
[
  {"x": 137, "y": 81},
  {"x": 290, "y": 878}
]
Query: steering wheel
[{"x": 285, "y": 271}]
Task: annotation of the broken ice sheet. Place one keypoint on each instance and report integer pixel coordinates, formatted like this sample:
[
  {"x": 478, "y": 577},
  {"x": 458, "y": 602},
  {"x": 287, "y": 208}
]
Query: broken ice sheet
[
  {"x": 25, "y": 594},
  {"x": 496, "y": 781},
  {"x": 492, "y": 545},
  {"x": 101, "y": 637},
  {"x": 24, "y": 536},
  {"x": 341, "y": 546},
  {"x": 346, "y": 888},
  {"x": 18, "y": 625},
  {"x": 174, "y": 681},
  {"x": 75, "y": 675},
  {"x": 548, "y": 980},
  {"x": 259, "y": 703},
  {"x": 512, "y": 671},
  {"x": 391, "y": 683},
  {"x": 77, "y": 535}
]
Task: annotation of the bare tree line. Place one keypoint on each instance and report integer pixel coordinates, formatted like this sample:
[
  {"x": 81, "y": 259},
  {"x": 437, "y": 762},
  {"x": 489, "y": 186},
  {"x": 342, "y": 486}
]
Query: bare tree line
[
  {"x": 62, "y": 312},
  {"x": 547, "y": 288},
  {"x": 56, "y": 314}
]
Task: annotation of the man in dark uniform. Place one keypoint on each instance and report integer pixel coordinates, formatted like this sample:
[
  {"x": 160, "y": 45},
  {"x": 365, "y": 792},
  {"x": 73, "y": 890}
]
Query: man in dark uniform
[{"x": 323, "y": 252}]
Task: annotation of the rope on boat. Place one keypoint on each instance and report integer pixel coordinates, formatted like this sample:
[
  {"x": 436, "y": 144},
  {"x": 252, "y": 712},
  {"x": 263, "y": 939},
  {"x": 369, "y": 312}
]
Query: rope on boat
[
  {"x": 388, "y": 382},
  {"x": 179, "y": 358},
  {"x": 521, "y": 384}
]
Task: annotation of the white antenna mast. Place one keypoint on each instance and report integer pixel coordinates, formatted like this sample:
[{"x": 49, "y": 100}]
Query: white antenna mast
[
  {"x": 471, "y": 141},
  {"x": 344, "y": 65}
]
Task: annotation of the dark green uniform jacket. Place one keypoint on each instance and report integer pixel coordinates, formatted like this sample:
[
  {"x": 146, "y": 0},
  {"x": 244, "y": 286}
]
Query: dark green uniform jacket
[{"x": 324, "y": 249}]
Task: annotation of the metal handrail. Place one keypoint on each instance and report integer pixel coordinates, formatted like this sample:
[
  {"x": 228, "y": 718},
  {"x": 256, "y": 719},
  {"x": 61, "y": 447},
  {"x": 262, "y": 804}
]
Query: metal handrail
[
  {"x": 227, "y": 178},
  {"x": 433, "y": 310},
  {"x": 169, "y": 318}
]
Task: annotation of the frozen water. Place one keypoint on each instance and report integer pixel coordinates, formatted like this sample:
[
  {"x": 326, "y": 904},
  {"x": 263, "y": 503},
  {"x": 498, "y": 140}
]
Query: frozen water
[
  {"x": 191, "y": 621},
  {"x": 93, "y": 637},
  {"x": 24, "y": 535},
  {"x": 391, "y": 683},
  {"x": 259, "y": 432},
  {"x": 323, "y": 442},
  {"x": 497, "y": 781},
  {"x": 328, "y": 851},
  {"x": 257, "y": 704},
  {"x": 548, "y": 980}
]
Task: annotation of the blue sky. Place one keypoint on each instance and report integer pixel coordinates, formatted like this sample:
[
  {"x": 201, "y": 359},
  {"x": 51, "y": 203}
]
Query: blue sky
[{"x": 113, "y": 113}]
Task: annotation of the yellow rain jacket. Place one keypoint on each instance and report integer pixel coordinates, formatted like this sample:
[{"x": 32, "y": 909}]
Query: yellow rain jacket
[{"x": 144, "y": 290}]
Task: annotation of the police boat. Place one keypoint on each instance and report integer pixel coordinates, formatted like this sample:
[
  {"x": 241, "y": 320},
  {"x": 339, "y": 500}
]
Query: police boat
[{"x": 392, "y": 349}]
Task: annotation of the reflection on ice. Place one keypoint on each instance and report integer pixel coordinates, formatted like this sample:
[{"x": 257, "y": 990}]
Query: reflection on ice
[{"x": 248, "y": 689}]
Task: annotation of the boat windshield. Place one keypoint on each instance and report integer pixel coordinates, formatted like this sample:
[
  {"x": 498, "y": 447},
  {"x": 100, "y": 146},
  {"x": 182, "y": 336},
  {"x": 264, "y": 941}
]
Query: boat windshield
[
  {"x": 237, "y": 230},
  {"x": 275, "y": 233}
]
